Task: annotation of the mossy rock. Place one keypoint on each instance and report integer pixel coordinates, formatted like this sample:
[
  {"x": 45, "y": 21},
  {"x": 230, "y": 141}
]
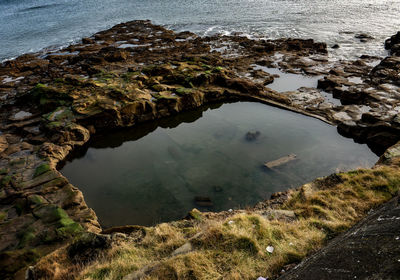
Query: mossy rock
[
  {"x": 128, "y": 76},
  {"x": 194, "y": 214},
  {"x": 26, "y": 237},
  {"x": 60, "y": 114},
  {"x": 36, "y": 200},
  {"x": 50, "y": 97},
  {"x": 3, "y": 171},
  {"x": 160, "y": 87},
  {"x": 18, "y": 162},
  {"x": 6, "y": 181},
  {"x": 48, "y": 102},
  {"x": 20, "y": 206},
  {"x": 50, "y": 213},
  {"x": 57, "y": 182},
  {"x": 218, "y": 69},
  {"x": 184, "y": 91},
  {"x": 68, "y": 229},
  {"x": 12, "y": 261},
  {"x": 55, "y": 125},
  {"x": 41, "y": 169},
  {"x": 205, "y": 66},
  {"x": 105, "y": 76},
  {"x": 3, "y": 216},
  {"x": 54, "y": 215},
  {"x": 59, "y": 81}
]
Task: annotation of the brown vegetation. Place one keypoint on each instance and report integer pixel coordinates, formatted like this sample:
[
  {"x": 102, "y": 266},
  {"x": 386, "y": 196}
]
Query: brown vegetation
[{"x": 233, "y": 245}]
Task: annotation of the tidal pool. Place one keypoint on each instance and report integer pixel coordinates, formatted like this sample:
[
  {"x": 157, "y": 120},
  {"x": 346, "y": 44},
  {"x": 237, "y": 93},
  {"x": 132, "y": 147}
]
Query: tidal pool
[{"x": 205, "y": 159}]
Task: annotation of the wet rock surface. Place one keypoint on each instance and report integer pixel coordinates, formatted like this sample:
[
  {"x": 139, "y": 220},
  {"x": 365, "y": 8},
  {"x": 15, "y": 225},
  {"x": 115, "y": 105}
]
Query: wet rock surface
[
  {"x": 393, "y": 44},
  {"x": 53, "y": 101}
]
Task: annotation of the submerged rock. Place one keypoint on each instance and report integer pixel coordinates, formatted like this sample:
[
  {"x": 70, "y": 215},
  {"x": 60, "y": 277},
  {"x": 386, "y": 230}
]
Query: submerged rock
[
  {"x": 280, "y": 161},
  {"x": 203, "y": 201},
  {"x": 252, "y": 135}
]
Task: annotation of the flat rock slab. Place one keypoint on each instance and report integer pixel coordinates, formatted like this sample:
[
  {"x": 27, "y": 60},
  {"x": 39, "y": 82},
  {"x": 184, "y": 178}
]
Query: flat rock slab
[
  {"x": 370, "y": 250},
  {"x": 280, "y": 161}
]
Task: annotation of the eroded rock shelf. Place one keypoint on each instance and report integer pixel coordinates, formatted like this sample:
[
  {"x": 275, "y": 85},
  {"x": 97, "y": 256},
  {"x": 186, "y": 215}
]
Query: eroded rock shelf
[{"x": 53, "y": 101}]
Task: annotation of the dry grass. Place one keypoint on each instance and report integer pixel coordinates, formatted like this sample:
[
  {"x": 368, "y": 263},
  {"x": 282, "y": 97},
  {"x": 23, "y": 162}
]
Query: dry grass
[{"x": 235, "y": 247}]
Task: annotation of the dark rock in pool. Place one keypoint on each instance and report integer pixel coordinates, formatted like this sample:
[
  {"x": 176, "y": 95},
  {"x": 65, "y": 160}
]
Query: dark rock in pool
[
  {"x": 252, "y": 135},
  {"x": 217, "y": 189},
  {"x": 174, "y": 153},
  {"x": 203, "y": 201},
  {"x": 335, "y": 46}
]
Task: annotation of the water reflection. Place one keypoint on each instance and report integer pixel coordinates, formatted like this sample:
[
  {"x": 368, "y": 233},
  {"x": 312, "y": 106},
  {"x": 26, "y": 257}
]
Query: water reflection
[{"x": 159, "y": 171}]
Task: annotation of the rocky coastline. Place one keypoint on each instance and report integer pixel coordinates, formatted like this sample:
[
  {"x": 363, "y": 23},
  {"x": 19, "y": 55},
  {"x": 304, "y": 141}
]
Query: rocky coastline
[{"x": 52, "y": 102}]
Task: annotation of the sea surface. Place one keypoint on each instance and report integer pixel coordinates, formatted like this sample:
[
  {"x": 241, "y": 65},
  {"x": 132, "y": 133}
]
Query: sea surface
[
  {"x": 153, "y": 172},
  {"x": 31, "y": 25}
]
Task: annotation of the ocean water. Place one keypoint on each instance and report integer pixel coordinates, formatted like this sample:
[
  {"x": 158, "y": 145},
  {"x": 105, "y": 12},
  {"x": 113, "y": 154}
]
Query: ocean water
[
  {"x": 154, "y": 172},
  {"x": 31, "y": 25}
]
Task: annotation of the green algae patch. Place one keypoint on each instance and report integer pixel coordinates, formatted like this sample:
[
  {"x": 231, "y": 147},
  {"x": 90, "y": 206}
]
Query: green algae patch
[
  {"x": 6, "y": 181},
  {"x": 49, "y": 96},
  {"x": 184, "y": 91},
  {"x": 25, "y": 237},
  {"x": 54, "y": 125},
  {"x": 60, "y": 114},
  {"x": 36, "y": 199},
  {"x": 195, "y": 214},
  {"x": 105, "y": 76},
  {"x": 61, "y": 226},
  {"x": 69, "y": 228},
  {"x": 50, "y": 213},
  {"x": 3, "y": 171},
  {"x": 218, "y": 69},
  {"x": 164, "y": 96},
  {"x": 41, "y": 169}
]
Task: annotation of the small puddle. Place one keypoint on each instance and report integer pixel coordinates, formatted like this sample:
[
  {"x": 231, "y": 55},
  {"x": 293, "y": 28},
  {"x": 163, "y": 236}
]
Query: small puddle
[
  {"x": 292, "y": 82},
  {"x": 288, "y": 81},
  {"x": 329, "y": 98},
  {"x": 207, "y": 159}
]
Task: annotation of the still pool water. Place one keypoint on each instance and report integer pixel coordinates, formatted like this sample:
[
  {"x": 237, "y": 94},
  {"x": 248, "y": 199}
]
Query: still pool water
[{"x": 153, "y": 172}]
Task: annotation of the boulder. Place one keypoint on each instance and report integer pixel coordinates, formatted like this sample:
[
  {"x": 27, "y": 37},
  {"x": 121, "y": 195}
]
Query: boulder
[{"x": 393, "y": 44}]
